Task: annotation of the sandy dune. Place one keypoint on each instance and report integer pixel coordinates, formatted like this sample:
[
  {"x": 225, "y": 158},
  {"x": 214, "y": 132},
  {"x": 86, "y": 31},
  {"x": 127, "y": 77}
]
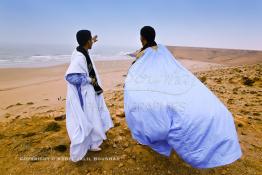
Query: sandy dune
[
  {"x": 221, "y": 56},
  {"x": 32, "y": 115}
]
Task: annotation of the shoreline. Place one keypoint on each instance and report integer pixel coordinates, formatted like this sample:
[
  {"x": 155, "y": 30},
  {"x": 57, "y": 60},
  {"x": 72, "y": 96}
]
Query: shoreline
[
  {"x": 46, "y": 65},
  {"x": 42, "y": 89},
  {"x": 227, "y": 56}
]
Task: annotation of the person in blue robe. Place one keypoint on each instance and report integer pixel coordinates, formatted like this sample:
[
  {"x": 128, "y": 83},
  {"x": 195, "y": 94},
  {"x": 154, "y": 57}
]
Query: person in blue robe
[{"x": 167, "y": 108}]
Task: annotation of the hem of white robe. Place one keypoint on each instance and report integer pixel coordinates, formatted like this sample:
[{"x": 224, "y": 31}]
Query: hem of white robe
[
  {"x": 77, "y": 159},
  {"x": 74, "y": 159},
  {"x": 106, "y": 129},
  {"x": 231, "y": 158},
  {"x": 97, "y": 144}
]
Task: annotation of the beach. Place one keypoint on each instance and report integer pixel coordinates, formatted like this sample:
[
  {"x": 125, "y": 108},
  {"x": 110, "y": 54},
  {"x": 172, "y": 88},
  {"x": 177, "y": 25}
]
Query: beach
[
  {"x": 28, "y": 91},
  {"x": 33, "y": 100}
]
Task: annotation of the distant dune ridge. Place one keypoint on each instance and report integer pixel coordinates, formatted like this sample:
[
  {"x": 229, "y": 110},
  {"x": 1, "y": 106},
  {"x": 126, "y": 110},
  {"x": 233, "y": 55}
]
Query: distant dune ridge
[
  {"x": 33, "y": 132},
  {"x": 215, "y": 55}
]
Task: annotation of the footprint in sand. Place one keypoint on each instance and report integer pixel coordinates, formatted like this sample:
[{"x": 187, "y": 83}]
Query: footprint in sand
[
  {"x": 17, "y": 104},
  {"x": 7, "y": 115},
  {"x": 10, "y": 106},
  {"x": 29, "y": 103},
  {"x": 41, "y": 107}
]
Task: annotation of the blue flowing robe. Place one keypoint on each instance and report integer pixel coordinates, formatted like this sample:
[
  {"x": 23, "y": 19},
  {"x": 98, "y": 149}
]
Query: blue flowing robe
[{"x": 167, "y": 108}]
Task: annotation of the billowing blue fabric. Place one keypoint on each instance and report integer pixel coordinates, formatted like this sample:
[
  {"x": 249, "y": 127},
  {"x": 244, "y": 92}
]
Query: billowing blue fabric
[
  {"x": 168, "y": 108},
  {"x": 78, "y": 79}
]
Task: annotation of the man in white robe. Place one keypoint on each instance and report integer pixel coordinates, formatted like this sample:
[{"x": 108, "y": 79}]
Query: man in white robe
[{"x": 87, "y": 116}]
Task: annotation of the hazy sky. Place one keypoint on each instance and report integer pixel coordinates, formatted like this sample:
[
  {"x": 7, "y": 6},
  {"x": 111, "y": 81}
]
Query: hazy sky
[{"x": 208, "y": 23}]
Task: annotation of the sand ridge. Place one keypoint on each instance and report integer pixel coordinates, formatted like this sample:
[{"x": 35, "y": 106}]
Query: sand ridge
[{"x": 33, "y": 132}]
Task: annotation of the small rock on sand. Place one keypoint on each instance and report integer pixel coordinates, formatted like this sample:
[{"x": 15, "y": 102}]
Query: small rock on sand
[
  {"x": 29, "y": 103},
  {"x": 60, "y": 148},
  {"x": 120, "y": 113},
  {"x": 60, "y": 118},
  {"x": 120, "y": 165}
]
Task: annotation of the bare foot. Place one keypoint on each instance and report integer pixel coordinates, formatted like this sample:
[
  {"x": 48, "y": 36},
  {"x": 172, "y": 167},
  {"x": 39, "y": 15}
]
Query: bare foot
[{"x": 96, "y": 149}]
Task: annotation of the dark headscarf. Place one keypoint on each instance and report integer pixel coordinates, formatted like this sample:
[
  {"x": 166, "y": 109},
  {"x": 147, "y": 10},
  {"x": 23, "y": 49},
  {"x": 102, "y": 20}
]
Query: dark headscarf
[
  {"x": 82, "y": 36},
  {"x": 149, "y": 34}
]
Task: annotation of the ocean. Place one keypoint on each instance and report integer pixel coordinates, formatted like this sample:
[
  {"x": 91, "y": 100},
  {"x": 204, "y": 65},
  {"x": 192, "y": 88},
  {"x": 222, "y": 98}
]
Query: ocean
[{"x": 50, "y": 55}]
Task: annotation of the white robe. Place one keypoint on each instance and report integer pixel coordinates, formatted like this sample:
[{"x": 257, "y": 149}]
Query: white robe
[{"x": 85, "y": 126}]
